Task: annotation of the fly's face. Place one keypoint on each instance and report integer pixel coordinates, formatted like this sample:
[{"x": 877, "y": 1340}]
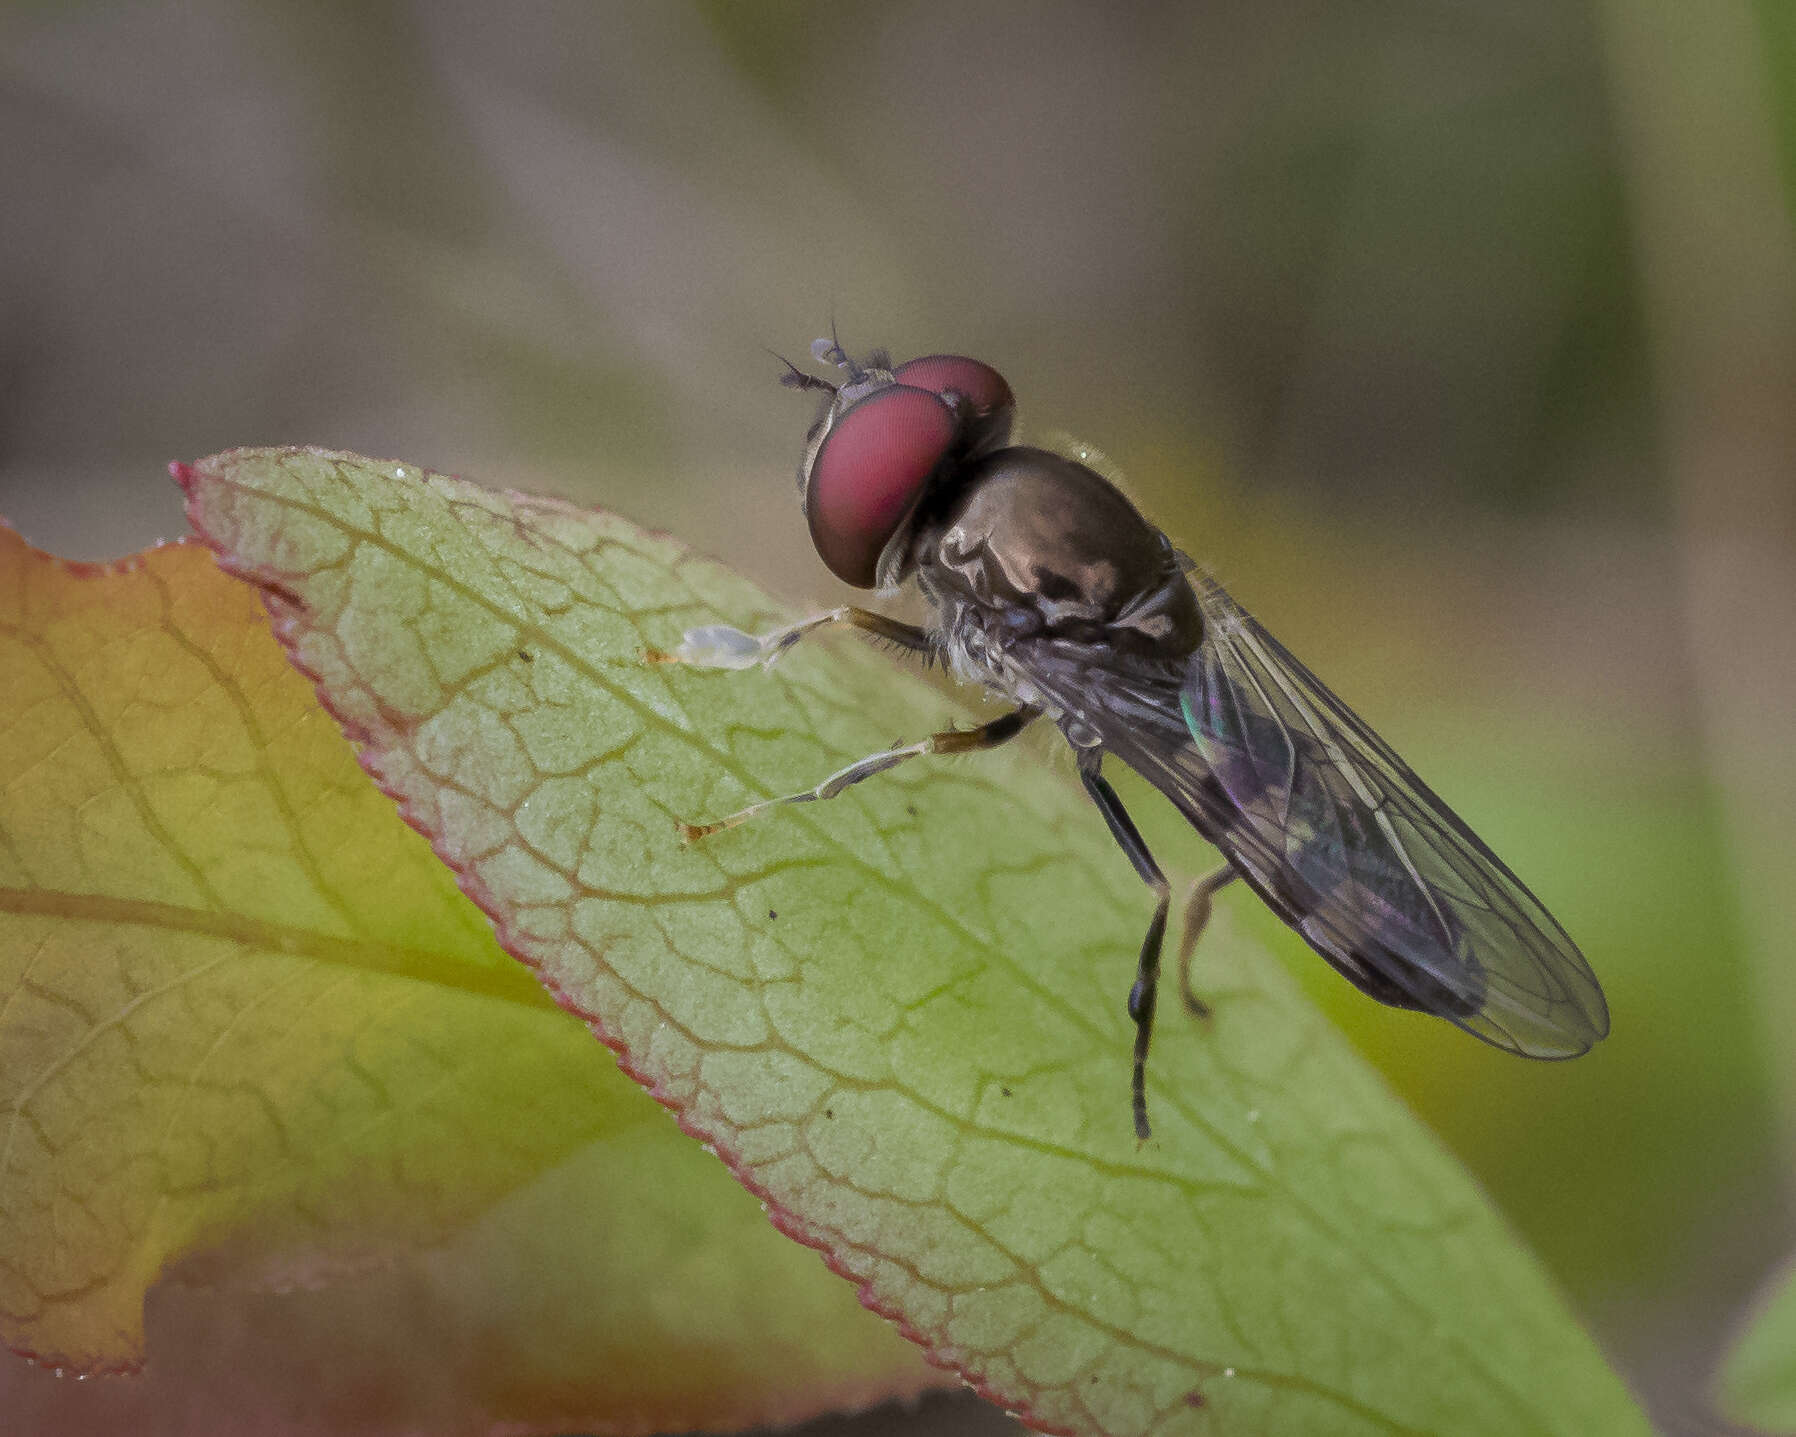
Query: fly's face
[{"x": 887, "y": 439}]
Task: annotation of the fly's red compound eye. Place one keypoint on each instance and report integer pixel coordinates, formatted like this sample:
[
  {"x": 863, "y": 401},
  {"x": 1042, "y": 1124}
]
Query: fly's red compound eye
[
  {"x": 983, "y": 390},
  {"x": 870, "y": 471}
]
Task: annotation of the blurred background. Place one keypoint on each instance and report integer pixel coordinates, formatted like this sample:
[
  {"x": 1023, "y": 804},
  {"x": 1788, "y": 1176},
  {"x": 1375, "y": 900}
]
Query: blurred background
[{"x": 1458, "y": 338}]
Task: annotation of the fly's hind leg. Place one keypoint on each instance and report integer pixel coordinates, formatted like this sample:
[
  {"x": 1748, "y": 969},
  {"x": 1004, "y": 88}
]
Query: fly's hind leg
[
  {"x": 986, "y": 735},
  {"x": 1197, "y": 916},
  {"x": 718, "y": 646},
  {"x": 1147, "y": 968}
]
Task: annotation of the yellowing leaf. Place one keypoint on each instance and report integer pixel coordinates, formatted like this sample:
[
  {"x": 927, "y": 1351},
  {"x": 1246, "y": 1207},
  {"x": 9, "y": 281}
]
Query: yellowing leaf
[
  {"x": 250, "y": 1029},
  {"x": 899, "y": 1016}
]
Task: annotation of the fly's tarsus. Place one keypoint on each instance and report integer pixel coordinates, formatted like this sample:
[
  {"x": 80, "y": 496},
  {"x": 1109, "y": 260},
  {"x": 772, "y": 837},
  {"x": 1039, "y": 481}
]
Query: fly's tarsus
[
  {"x": 983, "y": 736},
  {"x": 718, "y": 646}
]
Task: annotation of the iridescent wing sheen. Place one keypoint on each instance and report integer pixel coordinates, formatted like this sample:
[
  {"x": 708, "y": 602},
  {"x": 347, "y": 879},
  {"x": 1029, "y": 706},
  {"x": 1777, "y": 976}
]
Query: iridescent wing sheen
[
  {"x": 1364, "y": 860},
  {"x": 1329, "y": 827}
]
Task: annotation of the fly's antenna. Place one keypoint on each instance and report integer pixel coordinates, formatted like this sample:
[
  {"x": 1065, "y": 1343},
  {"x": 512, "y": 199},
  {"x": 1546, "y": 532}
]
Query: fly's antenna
[
  {"x": 835, "y": 343},
  {"x": 796, "y": 378},
  {"x": 876, "y": 366},
  {"x": 830, "y": 351}
]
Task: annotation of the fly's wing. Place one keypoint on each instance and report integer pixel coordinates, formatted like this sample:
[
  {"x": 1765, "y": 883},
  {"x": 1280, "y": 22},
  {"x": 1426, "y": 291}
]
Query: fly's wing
[
  {"x": 1360, "y": 856},
  {"x": 1135, "y": 711}
]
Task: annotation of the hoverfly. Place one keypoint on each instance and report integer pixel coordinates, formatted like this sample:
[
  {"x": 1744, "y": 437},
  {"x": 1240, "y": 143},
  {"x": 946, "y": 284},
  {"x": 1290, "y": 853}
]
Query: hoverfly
[{"x": 1047, "y": 587}]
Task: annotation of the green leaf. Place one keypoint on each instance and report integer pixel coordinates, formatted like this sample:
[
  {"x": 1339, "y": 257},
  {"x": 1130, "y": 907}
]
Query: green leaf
[
  {"x": 1757, "y": 1382},
  {"x": 898, "y": 1017},
  {"x": 251, "y": 1034}
]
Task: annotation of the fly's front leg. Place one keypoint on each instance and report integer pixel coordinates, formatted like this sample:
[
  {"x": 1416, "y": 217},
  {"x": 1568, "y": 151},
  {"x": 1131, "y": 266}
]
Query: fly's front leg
[
  {"x": 718, "y": 646},
  {"x": 1147, "y": 969},
  {"x": 1197, "y": 915},
  {"x": 986, "y": 735}
]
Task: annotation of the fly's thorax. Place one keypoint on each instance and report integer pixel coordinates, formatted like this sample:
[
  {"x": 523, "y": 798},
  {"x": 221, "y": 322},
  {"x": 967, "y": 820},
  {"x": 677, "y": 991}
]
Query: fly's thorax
[{"x": 1032, "y": 545}]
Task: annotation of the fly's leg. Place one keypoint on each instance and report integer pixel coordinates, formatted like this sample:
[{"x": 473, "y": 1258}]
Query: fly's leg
[
  {"x": 1147, "y": 969},
  {"x": 986, "y": 735},
  {"x": 1197, "y": 915},
  {"x": 717, "y": 646}
]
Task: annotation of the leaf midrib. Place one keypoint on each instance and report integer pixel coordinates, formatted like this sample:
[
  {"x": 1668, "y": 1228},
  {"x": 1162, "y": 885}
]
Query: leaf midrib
[{"x": 508, "y": 981}]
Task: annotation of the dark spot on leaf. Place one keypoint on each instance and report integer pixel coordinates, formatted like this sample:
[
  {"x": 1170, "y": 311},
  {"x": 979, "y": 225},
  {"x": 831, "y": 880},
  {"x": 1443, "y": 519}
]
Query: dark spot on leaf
[
  {"x": 1005, "y": 1091},
  {"x": 911, "y": 809},
  {"x": 829, "y": 1112},
  {"x": 273, "y": 591},
  {"x": 1194, "y": 1398},
  {"x": 773, "y": 913},
  {"x": 526, "y": 655}
]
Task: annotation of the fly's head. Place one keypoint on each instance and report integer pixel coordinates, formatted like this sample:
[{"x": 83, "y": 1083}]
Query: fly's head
[{"x": 888, "y": 438}]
